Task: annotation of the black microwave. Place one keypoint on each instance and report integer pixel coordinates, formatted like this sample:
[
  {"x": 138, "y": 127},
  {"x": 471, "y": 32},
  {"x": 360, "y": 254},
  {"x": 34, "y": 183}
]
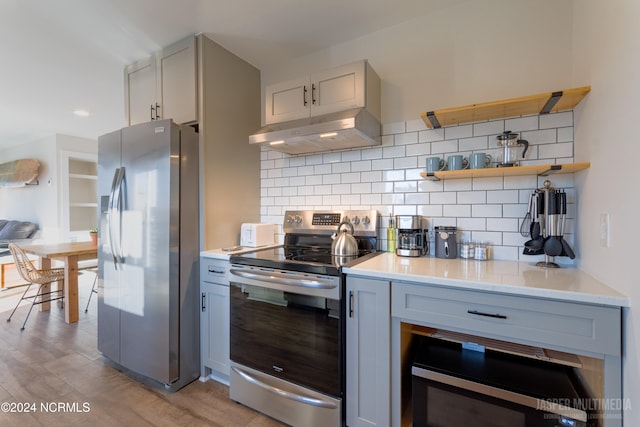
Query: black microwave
[{"x": 452, "y": 387}]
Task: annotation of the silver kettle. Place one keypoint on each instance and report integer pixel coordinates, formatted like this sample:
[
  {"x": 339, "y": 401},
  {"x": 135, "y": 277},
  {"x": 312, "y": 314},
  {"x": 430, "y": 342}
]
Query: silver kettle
[{"x": 344, "y": 247}]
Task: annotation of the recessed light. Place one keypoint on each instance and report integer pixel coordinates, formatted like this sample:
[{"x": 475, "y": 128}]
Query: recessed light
[
  {"x": 81, "y": 113},
  {"x": 277, "y": 142}
]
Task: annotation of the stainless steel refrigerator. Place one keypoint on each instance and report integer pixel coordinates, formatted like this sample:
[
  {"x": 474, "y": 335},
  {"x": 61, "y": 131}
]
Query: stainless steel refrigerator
[{"x": 148, "y": 318}]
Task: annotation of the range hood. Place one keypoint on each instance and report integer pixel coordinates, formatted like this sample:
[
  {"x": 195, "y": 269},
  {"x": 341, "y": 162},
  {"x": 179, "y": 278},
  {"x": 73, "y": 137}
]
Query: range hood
[{"x": 334, "y": 131}]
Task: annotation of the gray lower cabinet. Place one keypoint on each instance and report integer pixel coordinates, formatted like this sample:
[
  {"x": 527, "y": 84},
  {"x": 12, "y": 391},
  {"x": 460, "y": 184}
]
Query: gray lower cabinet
[
  {"x": 594, "y": 331},
  {"x": 214, "y": 319},
  {"x": 368, "y": 394}
]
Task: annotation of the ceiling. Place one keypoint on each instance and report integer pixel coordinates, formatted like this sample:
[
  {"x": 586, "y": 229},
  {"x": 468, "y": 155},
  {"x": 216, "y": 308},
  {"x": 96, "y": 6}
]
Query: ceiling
[{"x": 63, "y": 55}]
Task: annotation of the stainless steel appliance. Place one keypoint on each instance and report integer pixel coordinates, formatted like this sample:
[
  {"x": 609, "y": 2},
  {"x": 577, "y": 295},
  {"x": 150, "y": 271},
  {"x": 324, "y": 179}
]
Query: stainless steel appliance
[
  {"x": 287, "y": 337},
  {"x": 511, "y": 149},
  {"x": 148, "y": 251},
  {"x": 452, "y": 386},
  {"x": 412, "y": 238},
  {"x": 446, "y": 243}
]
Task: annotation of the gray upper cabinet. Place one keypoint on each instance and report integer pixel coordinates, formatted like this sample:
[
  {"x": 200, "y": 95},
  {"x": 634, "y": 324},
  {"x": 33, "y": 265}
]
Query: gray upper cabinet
[
  {"x": 163, "y": 86},
  {"x": 342, "y": 88}
]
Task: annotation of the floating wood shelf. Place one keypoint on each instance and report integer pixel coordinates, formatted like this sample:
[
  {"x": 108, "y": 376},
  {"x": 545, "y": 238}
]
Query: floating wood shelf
[
  {"x": 540, "y": 170},
  {"x": 534, "y": 104}
]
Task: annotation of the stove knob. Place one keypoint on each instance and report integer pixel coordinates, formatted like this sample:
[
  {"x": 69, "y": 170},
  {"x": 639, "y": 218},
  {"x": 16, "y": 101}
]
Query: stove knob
[
  {"x": 366, "y": 221},
  {"x": 345, "y": 219},
  {"x": 355, "y": 220},
  {"x": 298, "y": 219},
  {"x": 289, "y": 219}
]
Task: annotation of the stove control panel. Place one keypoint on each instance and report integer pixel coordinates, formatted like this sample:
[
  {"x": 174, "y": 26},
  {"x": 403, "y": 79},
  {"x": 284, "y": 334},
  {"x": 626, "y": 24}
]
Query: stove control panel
[{"x": 326, "y": 222}]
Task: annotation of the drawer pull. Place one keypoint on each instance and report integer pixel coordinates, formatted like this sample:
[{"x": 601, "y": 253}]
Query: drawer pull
[
  {"x": 479, "y": 313},
  {"x": 211, "y": 270}
]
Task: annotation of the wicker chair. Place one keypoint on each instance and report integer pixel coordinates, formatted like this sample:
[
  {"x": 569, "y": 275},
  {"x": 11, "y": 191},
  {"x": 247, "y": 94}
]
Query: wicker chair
[{"x": 33, "y": 276}]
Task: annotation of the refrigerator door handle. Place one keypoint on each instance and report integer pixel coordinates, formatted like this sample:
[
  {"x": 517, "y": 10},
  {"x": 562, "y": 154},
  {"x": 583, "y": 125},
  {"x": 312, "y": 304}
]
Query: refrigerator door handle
[
  {"x": 110, "y": 213},
  {"x": 118, "y": 210}
]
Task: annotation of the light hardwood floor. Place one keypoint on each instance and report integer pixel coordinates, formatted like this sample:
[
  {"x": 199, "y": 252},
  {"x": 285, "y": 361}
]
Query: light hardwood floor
[{"x": 51, "y": 363}]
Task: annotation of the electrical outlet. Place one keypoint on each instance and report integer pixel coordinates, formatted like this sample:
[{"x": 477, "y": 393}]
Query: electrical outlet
[{"x": 605, "y": 229}]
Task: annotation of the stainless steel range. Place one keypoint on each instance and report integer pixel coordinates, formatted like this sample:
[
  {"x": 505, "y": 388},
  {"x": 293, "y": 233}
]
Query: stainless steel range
[{"x": 288, "y": 320}]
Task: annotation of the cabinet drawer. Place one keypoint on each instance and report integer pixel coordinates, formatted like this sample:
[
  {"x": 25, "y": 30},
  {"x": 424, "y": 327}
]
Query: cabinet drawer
[
  {"x": 214, "y": 271},
  {"x": 529, "y": 320}
]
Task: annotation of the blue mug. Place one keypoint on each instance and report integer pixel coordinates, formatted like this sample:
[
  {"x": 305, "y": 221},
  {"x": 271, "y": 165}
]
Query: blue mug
[
  {"x": 480, "y": 160},
  {"x": 457, "y": 162},
  {"x": 434, "y": 164}
]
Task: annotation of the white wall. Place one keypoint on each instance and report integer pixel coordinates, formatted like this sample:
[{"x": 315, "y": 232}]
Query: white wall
[
  {"x": 476, "y": 51},
  {"x": 606, "y": 46},
  {"x": 41, "y": 203},
  {"x": 35, "y": 203},
  {"x": 487, "y": 50}
]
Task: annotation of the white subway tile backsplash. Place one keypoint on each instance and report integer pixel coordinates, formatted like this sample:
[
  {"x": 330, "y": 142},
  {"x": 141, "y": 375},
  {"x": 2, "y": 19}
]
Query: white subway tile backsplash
[
  {"x": 394, "y": 175},
  {"x": 545, "y": 136},
  {"x": 431, "y": 135},
  {"x": 456, "y": 132},
  {"x": 565, "y": 134},
  {"x": 372, "y": 153},
  {"x": 387, "y": 178},
  {"x": 521, "y": 124},
  {"x": 551, "y": 151},
  {"x": 416, "y": 198},
  {"x": 520, "y": 182},
  {"x": 463, "y": 184},
  {"x": 556, "y": 120},
  {"x": 361, "y": 188},
  {"x": 384, "y": 164},
  {"x": 430, "y": 211},
  {"x": 504, "y": 196},
  {"x": 391, "y": 152},
  {"x": 405, "y": 162},
  {"x": 440, "y": 147},
  {"x": 416, "y": 125},
  {"x": 488, "y": 183},
  {"x": 486, "y": 211},
  {"x": 421, "y": 149},
  {"x": 331, "y": 179},
  {"x": 503, "y": 224},
  {"x": 444, "y": 198},
  {"x": 373, "y": 176},
  {"x": 393, "y": 128},
  {"x": 458, "y": 211},
  {"x": 472, "y": 224},
  {"x": 361, "y": 166},
  {"x": 406, "y": 138},
  {"x": 488, "y": 128},
  {"x": 472, "y": 197},
  {"x": 473, "y": 144}
]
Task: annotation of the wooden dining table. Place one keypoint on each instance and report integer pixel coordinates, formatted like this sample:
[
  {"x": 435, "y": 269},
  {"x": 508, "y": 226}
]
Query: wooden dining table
[{"x": 70, "y": 253}]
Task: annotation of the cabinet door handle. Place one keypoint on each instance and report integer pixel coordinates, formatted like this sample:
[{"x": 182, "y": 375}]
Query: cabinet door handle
[
  {"x": 350, "y": 303},
  {"x": 204, "y": 302},
  {"x": 479, "y": 313},
  {"x": 211, "y": 270},
  {"x": 152, "y": 112},
  {"x": 157, "y": 111},
  {"x": 304, "y": 95},
  {"x": 313, "y": 94}
]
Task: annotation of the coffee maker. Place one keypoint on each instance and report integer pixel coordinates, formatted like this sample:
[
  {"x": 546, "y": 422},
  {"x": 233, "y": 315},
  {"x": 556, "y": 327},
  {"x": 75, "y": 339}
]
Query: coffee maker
[{"x": 412, "y": 238}]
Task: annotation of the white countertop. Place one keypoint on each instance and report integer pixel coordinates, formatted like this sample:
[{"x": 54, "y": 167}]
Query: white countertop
[
  {"x": 223, "y": 254},
  {"x": 511, "y": 277}
]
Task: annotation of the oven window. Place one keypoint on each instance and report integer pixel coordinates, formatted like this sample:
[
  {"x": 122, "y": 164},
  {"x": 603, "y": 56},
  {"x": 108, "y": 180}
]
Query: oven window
[{"x": 291, "y": 336}]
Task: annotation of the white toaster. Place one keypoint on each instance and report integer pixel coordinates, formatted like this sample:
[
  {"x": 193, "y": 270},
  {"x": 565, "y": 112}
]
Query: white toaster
[{"x": 254, "y": 234}]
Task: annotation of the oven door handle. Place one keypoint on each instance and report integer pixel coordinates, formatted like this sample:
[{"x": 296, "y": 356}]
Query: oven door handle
[
  {"x": 283, "y": 393},
  {"x": 285, "y": 279}
]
